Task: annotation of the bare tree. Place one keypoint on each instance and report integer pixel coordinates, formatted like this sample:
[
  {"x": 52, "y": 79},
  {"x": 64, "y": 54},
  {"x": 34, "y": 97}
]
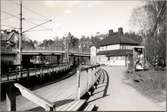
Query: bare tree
[{"x": 150, "y": 22}]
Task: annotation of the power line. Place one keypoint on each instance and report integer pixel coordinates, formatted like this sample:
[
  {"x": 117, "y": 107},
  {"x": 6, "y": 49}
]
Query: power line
[
  {"x": 30, "y": 22},
  {"x": 34, "y": 19},
  {"x": 7, "y": 18},
  {"x": 40, "y": 30},
  {"x": 9, "y": 26},
  {"x": 9, "y": 14},
  {"x": 35, "y": 13},
  {"x": 17, "y": 18},
  {"x": 33, "y": 23},
  {"x": 31, "y": 11},
  {"x": 27, "y": 20},
  {"x": 37, "y": 26}
]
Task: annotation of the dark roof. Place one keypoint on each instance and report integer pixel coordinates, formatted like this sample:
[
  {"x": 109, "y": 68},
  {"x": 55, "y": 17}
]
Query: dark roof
[
  {"x": 117, "y": 39},
  {"x": 119, "y": 52}
]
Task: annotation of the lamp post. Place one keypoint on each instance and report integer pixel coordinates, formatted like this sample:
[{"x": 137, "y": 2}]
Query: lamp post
[
  {"x": 78, "y": 84},
  {"x": 78, "y": 77}
]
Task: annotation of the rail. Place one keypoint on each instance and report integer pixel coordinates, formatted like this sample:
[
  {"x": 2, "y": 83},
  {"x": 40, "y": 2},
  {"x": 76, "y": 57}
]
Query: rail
[
  {"x": 38, "y": 70},
  {"x": 14, "y": 51}
]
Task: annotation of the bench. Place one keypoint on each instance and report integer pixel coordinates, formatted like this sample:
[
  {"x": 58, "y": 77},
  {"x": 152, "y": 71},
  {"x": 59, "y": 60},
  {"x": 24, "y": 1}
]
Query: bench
[
  {"x": 28, "y": 94},
  {"x": 72, "y": 106},
  {"x": 47, "y": 105},
  {"x": 90, "y": 107}
]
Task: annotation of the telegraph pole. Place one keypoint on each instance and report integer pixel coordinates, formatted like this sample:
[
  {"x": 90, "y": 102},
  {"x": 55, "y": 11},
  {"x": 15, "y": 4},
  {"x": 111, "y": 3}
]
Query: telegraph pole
[
  {"x": 67, "y": 49},
  {"x": 20, "y": 34}
]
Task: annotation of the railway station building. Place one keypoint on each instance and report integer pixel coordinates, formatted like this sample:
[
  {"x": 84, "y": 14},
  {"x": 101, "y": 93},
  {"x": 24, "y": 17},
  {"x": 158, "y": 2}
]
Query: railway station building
[{"x": 116, "y": 49}]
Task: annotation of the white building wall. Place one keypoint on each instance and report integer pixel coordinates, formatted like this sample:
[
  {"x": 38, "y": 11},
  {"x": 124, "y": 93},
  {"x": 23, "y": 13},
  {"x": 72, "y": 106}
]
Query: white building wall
[
  {"x": 116, "y": 62},
  {"x": 102, "y": 59}
]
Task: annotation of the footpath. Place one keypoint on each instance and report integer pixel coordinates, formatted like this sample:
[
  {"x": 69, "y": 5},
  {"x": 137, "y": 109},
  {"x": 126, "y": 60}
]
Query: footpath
[{"x": 113, "y": 94}]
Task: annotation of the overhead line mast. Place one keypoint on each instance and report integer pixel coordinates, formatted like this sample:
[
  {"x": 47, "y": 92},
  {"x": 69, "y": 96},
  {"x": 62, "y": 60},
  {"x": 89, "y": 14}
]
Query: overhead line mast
[{"x": 20, "y": 34}]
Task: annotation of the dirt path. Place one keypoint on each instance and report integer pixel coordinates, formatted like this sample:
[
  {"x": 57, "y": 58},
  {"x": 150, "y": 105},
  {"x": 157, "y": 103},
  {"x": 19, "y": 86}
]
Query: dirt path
[{"x": 121, "y": 96}]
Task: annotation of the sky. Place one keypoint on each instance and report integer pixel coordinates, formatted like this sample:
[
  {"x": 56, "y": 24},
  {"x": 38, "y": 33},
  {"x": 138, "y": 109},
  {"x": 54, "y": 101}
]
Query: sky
[{"x": 78, "y": 17}]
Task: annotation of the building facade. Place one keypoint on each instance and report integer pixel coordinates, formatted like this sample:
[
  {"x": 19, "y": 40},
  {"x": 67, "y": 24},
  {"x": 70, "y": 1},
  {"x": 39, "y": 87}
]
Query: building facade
[{"x": 116, "y": 49}]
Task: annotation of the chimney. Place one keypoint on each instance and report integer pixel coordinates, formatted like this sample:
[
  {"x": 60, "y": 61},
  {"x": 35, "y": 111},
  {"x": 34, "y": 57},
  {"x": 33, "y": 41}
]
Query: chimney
[
  {"x": 120, "y": 31},
  {"x": 110, "y": 32}
]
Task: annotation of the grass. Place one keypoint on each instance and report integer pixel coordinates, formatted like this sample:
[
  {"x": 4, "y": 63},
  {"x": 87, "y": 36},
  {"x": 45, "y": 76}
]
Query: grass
[{"x": 150, "y": 83}]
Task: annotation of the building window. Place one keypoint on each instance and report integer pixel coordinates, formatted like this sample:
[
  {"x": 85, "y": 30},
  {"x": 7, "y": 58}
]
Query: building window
[
  {"x": 122, "y": 57},
  {"x": 119, "y": 57},
  {"x": 111, "y": 58},
  {"x": 105, "y": 48},
  {"x": 128, "y": 47},
  {"x": 108, "y": 58},
  {"x": 99, "y": 58},
  {"x": 123, "y": 47}
]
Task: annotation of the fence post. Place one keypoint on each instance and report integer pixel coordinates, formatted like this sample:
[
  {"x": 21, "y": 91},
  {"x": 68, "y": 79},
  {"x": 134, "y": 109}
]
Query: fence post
[
  {"x": 28, "y": 73},
  {"x": 16, "y": 75},
  {"x": 87, "y": 79},
  {"x": 8, "y": 75},
  {"x": 78, "y": 81},
  {"x": 20, "y": 73},
  {"x": 11, "y": 97}
]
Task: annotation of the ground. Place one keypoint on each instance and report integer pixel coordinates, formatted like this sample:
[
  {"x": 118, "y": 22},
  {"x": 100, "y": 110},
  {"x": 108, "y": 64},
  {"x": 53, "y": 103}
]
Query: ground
[
  {"x": 62, "y": 91},
  {"x": 113, "y": 92},
  {"x": 120, "y": 95}
]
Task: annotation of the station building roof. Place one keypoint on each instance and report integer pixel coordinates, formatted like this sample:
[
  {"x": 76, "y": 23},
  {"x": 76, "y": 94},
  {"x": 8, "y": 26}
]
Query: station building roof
[{"x": 117, "y": 38}]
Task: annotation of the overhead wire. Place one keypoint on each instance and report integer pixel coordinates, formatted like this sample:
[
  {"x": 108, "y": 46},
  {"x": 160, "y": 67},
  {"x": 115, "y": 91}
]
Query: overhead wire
[
  {"x": 32, "y": 11},
  {"x": 9, "y": 26},
  {"x": 28, "y": 19},
  {"x": 36, "y": 26},
  {"x": 40, "y": 30},
  {"x": 9, "y": 14},
  {"x": 34, "y": 19},
  {"x": 7, "y": 18},
  {"x": 17, "y": 18},
  {"x": 35, "y": 13}
]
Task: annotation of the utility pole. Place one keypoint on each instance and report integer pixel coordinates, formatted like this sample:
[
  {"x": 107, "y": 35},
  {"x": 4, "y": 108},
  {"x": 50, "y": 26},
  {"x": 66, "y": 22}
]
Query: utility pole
[
  {"x": 66, "y": 49},
  {"x": 20, "y": 34}
]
